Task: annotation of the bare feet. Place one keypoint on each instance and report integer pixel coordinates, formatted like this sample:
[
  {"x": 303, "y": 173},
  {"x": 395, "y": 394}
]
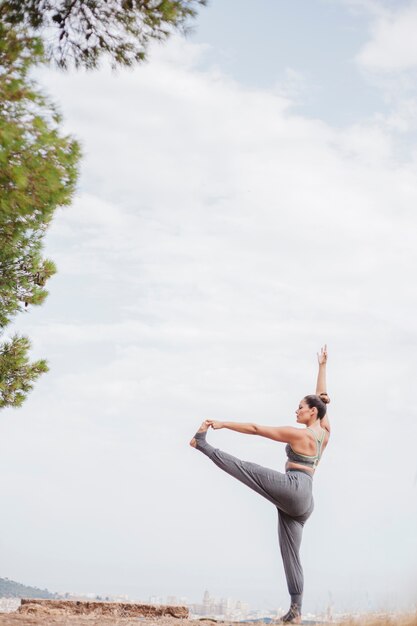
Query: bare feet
[{"x": 203, "y": 429}]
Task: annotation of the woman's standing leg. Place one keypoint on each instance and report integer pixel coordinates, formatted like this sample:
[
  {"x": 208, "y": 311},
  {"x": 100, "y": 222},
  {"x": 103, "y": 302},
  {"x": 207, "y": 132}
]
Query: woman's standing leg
[{"x": 290, "y": 532}]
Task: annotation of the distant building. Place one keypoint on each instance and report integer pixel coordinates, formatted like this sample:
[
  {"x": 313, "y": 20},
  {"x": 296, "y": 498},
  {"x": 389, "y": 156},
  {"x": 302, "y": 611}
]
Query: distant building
[{"x": 223, "y": 608}]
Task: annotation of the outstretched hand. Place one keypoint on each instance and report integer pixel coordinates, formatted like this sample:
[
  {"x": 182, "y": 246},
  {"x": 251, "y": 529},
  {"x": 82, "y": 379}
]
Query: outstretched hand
[{"x": 322, "y": 355}]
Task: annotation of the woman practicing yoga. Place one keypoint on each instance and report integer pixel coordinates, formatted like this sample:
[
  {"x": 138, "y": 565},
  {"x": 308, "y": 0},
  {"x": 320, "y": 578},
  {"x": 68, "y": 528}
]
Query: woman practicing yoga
[{"x": 291, "y": 492}]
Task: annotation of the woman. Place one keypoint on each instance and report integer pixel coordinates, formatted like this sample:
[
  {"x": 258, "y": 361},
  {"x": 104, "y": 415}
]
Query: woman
[{"x": 291, "y": 492}]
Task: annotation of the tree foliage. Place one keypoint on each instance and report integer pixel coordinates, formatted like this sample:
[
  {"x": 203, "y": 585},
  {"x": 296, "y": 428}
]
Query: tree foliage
[
  {"x": 38, "y": 171},
  {"x": 38, "y": 164},
  {"x": 79, "y": 32}
]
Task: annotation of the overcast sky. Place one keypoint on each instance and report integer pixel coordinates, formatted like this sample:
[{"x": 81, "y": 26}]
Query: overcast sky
[{"x": 246, "y": 196}]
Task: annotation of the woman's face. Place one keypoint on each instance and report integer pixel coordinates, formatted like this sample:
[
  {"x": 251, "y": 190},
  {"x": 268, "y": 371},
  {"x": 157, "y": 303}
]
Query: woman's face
[{"x": 303, "y": 413}]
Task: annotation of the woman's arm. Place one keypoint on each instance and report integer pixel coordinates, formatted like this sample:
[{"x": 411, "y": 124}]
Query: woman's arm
[
  {"x": 244, "y": 428},
  {"x": 321, "y": 386},
  {"x": 284, "y": 434}
]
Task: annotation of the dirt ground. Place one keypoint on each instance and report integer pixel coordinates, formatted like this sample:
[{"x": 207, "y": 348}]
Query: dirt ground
[{"x": 16, "y": 619}]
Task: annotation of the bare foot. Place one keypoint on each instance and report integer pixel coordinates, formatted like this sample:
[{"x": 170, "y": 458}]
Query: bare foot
[{"x": 203, "y": 429}]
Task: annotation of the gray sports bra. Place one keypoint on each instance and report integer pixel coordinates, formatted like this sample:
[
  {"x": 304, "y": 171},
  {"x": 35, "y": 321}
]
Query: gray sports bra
[{"x": 305, "y": 459}]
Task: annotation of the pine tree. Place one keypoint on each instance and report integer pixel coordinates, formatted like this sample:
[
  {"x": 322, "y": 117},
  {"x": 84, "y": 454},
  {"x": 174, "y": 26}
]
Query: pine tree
[
  {"x": 38, "y": 165},
  {"x": 80, "y": 32},
  {"x": 38, "y": 172}
]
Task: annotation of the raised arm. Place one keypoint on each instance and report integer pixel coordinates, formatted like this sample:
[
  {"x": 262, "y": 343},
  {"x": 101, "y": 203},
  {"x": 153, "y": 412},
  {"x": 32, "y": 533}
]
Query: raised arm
[{"x": 321, "y": 387}]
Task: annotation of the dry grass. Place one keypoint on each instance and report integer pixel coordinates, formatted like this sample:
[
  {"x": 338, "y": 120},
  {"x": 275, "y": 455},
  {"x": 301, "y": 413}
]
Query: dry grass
[{"x": 388, "y": 620}]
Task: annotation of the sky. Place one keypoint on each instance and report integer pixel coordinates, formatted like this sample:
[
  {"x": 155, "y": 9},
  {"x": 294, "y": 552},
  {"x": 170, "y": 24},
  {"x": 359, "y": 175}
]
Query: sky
[{"x": 246, "y": 196}]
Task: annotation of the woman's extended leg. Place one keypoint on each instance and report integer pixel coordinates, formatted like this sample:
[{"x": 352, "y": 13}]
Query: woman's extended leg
[{"x": 280, "y": 489}]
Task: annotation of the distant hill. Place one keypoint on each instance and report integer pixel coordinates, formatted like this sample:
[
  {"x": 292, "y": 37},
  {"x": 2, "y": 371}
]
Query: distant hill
[{"x": 11, "y": 589}]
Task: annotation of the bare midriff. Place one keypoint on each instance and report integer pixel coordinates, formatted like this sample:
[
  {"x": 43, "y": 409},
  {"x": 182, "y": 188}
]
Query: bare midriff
[{"x": 291, "y": 465}]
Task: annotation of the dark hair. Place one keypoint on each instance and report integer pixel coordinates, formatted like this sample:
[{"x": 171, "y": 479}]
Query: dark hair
[{"x": 319, "y": 402}]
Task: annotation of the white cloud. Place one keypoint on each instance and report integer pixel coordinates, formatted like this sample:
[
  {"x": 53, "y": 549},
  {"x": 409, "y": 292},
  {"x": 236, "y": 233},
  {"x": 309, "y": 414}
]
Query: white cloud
[{"x": 393, "y": 45}]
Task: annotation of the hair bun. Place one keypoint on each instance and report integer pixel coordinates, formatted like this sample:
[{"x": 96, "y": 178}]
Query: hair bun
[{"x": 324, "y": 398}]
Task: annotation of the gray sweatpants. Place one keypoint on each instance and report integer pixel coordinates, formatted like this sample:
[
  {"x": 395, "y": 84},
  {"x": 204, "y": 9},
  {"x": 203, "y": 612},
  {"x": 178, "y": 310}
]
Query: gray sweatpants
[{"x": 291, "y": 493}]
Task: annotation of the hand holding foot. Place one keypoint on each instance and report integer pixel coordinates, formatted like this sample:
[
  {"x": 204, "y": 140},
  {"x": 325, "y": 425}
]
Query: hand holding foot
[
  {"x": 215, "y": 425},
  {"x": 203, "y": 429}
]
